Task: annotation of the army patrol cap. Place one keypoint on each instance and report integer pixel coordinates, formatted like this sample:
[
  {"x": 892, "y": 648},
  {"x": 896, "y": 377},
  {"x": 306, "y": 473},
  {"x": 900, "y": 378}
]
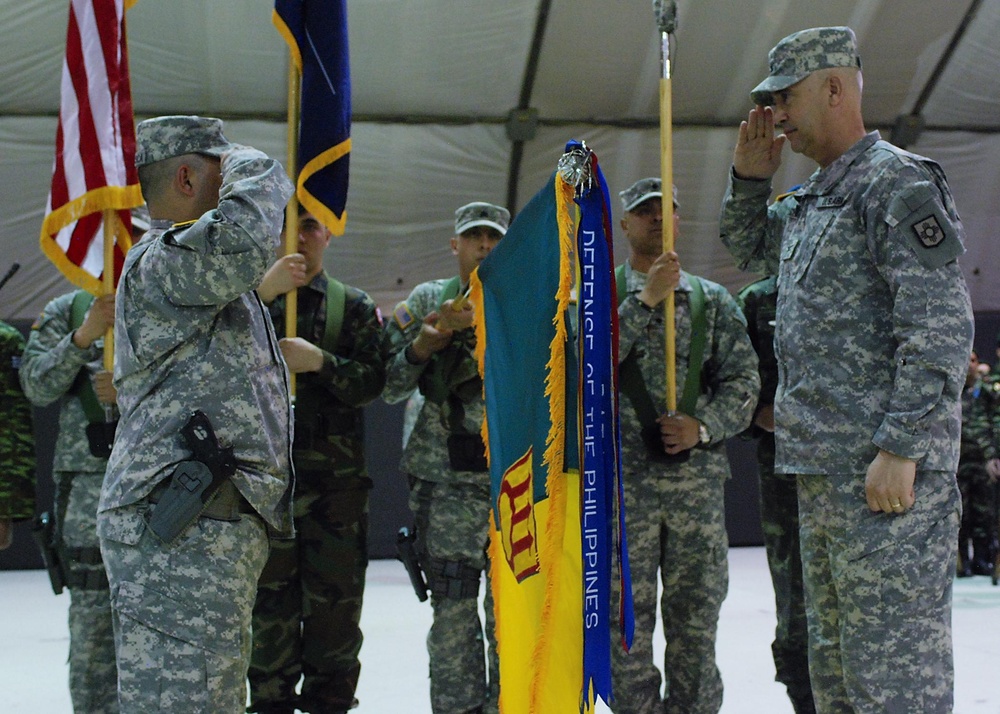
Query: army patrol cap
[
  {"x": 166, "y": 137},
  {"x": 802, "y": 53},
  {"x": 642, "y": 190},
  {"x": 479, "y": 213}
]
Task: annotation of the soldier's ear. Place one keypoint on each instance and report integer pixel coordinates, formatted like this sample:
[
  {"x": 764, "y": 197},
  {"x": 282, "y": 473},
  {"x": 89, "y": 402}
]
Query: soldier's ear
[{"x": 184, "y": 179}]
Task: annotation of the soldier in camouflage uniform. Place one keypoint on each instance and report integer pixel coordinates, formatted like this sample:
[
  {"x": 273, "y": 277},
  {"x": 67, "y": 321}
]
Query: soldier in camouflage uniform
[
  {"x": 430, "y": 343},
  {"x": 17, "y": 443},
  {"x": 978, "y": 469},
  {"x": 874, "y": 329},
  {"x": 779, "y": 506},
  {"x": 64, "y": 361},
  {"x": 191, "y": 334},
  {"x": 674, "y": 511},
  {"x": 306, "y": 621}
]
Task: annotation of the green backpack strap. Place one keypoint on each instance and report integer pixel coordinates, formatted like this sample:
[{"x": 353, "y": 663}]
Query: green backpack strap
[
  {"x": 82, "y": 386},
  {"x": 692, "y": 383},
  {"x": 620, "y": 283},
  {"x": 336, "y": 298}
]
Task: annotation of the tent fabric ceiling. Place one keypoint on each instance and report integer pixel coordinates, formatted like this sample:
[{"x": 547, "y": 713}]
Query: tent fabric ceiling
[{"x": 434, "y": 82}]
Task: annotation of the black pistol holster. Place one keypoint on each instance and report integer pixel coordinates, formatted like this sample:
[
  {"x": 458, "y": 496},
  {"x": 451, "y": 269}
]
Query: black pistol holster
[
  {"x": 408, "y": 556},
  {"x": 43, "y": 532},
  {"x": 193, "y": 482}
]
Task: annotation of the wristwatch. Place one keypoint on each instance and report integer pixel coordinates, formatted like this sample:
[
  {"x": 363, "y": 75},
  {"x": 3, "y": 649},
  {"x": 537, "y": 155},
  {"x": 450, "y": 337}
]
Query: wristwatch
[{"x": 704, "y": 438}]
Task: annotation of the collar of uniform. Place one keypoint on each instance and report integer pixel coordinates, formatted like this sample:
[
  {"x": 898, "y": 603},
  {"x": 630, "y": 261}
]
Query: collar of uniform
[
  {"x": 826, "y": 179},
  {"x": 318, "y": 283}
]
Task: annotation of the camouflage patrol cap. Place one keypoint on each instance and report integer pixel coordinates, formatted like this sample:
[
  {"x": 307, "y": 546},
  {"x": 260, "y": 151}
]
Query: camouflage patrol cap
[
  {"x": 480, "y": 213},
  {"x": 642, "y": 190},
  {"x": 802, "y": 53},
  {"x": 169, "y": 136}
]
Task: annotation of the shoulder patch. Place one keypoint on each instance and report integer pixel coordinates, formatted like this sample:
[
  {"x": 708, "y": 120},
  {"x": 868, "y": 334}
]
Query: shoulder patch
[
  {"x": 402, "y": 315},
  {"x": 918, "y": 213}
]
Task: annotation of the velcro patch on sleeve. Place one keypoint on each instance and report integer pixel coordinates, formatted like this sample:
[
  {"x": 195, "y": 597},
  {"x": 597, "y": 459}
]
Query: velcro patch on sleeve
[
  {"x": 917, "y": 212},
  {"x": 402, "y": 315}
]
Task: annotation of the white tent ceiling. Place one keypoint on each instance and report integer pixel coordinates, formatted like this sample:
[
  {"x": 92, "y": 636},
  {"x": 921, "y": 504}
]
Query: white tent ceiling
[{"x": 435, "y": 80}]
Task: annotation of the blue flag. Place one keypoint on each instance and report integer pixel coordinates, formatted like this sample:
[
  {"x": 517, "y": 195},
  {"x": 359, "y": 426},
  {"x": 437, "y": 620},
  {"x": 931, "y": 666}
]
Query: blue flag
[{"x": 316, "y": 32}]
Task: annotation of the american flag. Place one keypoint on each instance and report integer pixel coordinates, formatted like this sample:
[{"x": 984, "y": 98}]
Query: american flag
[{"x": 94, "y": 177}]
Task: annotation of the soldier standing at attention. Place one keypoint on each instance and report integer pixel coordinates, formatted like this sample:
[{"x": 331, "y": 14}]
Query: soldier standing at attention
[
  {"x": 873, "y": 334},
  {"x": 306, "y": 621},
  {"x": 978, "y": 469},
  {"x": 779, "y": 506},
  {"x": 674, "y": 510},
  {"x": 64, "y": 360},
  {"x": 203, "y": 395},
  {"x": 430, "y": 343},
  {"x": 17, "y": 443}
]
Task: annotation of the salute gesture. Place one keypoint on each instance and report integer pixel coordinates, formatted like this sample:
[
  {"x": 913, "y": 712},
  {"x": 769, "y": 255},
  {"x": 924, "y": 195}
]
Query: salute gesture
[{"x": 758, "y": 150}]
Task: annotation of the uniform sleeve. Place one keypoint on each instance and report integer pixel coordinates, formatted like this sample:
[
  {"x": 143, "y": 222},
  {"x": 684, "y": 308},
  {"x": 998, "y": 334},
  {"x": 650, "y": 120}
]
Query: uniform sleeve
[
  {"x": 749, "y": 230},
  {"x": 401, "y": 328},
  {"x": 51, "y": 362},
  {"x": 226, "y": 252},
  {"x": 931, "y": 313},
  {"x": 356, "y": 375},
  {"x": 17, "y": 444},
  {"x": 731, "y": 371}
]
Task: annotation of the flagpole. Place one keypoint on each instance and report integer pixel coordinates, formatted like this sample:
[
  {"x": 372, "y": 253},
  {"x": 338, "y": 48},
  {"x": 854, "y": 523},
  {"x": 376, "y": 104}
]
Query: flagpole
[
  {"x": 292, "y": 209},
  {"x": 108, "y": 282},
  {"x": 666, "y": 18}
]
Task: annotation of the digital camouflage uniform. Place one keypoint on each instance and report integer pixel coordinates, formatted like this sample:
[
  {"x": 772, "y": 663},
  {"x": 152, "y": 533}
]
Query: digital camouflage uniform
[
  {"x": 674, "y": 512},
  {"x": 873, "y": 335},
  {"x": 17, "y": 443},
  {"x": 306, "y": 620},
  {"x": 980, "y": 427},
  {"x": 191, "y": 333},
  {"x": 779, "y": 509},
  {"x": 53, "y": 368},
  {"x": 451, "y": 507}
]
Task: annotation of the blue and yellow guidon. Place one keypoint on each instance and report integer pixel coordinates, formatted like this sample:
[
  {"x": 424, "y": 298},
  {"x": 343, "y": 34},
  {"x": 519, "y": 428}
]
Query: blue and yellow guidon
[{"x": 515, "y": 506}]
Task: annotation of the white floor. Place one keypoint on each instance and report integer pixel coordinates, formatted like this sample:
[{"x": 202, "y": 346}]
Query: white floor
[{"x": 34, "y": 640}]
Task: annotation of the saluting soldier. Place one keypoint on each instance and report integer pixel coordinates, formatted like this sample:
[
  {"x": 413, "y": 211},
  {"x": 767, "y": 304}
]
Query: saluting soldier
[
  {"x": 873, "y": 333},
  {"x": 204, "y": 400}
]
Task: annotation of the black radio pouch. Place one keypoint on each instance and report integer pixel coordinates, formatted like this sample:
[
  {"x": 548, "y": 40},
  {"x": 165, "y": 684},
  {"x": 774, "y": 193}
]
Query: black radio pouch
[
  {"x": 101, "y": 437},
  {"x": 466, "y": 452}
]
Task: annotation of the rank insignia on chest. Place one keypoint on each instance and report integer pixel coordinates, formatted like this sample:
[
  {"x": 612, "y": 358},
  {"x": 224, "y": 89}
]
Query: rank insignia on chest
[
  {"x": 402, "y": 315},
  {"x": 929, "y": 232}
]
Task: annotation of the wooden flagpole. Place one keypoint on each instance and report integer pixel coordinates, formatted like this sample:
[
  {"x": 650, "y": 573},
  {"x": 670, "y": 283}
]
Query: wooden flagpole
[
  {"x": 666, "y": 15},
  {"x": 292, "y": 209},
  {"x": 109, "y": 220}
]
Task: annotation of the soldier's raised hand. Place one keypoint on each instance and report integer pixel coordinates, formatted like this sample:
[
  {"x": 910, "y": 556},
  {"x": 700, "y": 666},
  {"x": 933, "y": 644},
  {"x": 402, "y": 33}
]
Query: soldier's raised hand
[{"x": 758, "y": 150}]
